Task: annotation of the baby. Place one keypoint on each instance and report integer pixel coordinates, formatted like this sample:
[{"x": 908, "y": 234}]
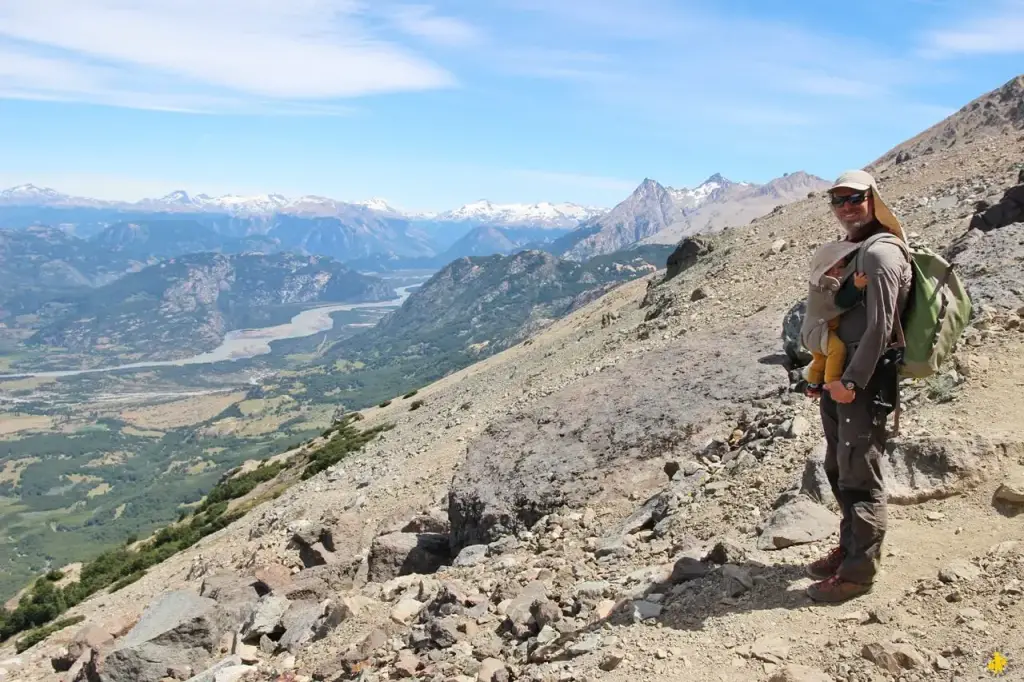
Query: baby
[{"x": 832, "y": 291}]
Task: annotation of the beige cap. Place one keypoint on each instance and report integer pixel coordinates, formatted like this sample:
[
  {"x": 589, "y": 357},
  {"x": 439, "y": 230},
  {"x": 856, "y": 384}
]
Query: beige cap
[{"x": 862, "y": 180}]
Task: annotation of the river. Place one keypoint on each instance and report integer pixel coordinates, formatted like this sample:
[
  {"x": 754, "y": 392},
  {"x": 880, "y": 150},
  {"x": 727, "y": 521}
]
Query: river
[{"x": 241, "y": 344}]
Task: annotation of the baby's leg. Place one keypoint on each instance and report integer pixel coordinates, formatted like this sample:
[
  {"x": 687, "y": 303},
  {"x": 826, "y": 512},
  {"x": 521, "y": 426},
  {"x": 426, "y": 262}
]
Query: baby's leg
[
  {"x": 816, "y": 370},
  {"x": 836, "y": 358}
]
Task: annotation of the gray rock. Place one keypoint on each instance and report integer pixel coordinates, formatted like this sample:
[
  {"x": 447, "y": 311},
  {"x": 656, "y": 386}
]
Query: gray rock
[
  {"x": 396, "y": 554},
  {"x": 688, "y": 252},
  {"x": 791, "y": 344},
  {"x": 813, "y": 483},
  {"x": 314, "y": 542},
  {"x": 959, "y": 570},
  {"x": 434, "y": 521},
  {"x": 917, "y": 469},
  {"x": 644, "y": 610},
  {"x": 214, "y": 672},
  {"x": 519, "y": 618},
  {"x": 799, "y": 427},
  {"x": 306, "y": 532},
  {"x": 179, "y": 629},
  {"x": 1011, "y": 490},
  {"x": 546, "y": 459},
  {"x": 1007, "y": 211},
  {"x": 265, "y": 618},
  {"x": 307, "y": 621},
  {"x": 230, "y": 588},
  {"x": 471, "y": 556},
  {"x": 989, "y": 265},
  {"x": 592, "y": 590},
  {"x": 736, "y": 580},
  {"x": 798, "y": 522}
]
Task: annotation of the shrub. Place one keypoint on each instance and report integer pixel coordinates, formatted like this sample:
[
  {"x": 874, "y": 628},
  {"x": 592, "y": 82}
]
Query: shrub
[
  {"x": 54, "y": 576},
  {"x": 416, "y": 404},
  {"x": 410, "y": 394},
  {"x": 385, "y": 403},
  {"x": 39, "y": 634}
]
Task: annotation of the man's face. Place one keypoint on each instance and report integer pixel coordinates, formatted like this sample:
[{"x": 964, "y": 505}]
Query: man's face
[{"x": 855, "y": 214}]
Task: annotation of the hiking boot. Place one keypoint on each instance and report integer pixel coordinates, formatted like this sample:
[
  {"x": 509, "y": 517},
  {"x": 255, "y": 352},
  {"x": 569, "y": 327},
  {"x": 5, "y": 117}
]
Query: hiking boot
[
  {"x": 835, "y": 590},
  {"x": 826, "y": 566}
]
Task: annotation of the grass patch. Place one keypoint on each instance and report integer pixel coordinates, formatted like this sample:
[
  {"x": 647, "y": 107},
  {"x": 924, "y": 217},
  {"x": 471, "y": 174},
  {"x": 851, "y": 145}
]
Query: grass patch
[{"x": 39, "y": 634}]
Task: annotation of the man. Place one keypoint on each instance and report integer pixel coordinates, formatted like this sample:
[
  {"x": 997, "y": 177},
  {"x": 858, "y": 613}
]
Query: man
[{"x": 854, "y": 408}]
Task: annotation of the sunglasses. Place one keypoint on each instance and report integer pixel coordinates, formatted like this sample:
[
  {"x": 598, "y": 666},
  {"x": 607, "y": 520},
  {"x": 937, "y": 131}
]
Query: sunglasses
[{"x": 853, "y": 199}]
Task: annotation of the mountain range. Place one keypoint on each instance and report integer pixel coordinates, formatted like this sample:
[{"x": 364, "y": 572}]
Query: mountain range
[
  {"x": 655, "y": 214},
  {"x": 185, "y": 305},
  {"x": 544, "y": 214}
]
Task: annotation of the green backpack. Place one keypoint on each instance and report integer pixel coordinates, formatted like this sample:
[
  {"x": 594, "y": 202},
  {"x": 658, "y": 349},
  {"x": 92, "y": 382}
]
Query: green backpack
[{"x": 938, "y": 310}]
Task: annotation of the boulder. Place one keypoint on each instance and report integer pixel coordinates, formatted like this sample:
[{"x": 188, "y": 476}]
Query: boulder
[
  {"x": 798, "y": 522},
  {"x": 308, "y": 621},
  {"x": 180, "y": 629},
  {"x": 1007, "y": 211},
  {"x": 791, "y": 344},
  {"x": 1011, "y": 490},
  {"x": 546, "y": 459},
  {"x": 235, "y": 595},
  {"x": 397, "y": 554},
  {"x": 813, "y": 483},
  {"x": 433, "y": 521},
  {"x": 989, "y": 265},
  {"x": 313, "y": 541},
  {"x": 265, "y": 618},
  {"x": 916, "y": 469}
]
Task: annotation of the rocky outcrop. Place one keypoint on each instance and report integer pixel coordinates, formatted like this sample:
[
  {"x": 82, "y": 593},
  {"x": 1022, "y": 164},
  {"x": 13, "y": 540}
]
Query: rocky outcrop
[
  {"x": 686, "y": 255},
  {"x": 1008, "y": 210},
  {"x": 546, "y": 458},
  {"x": 791, "y": 343},
  {"x": 398, "y": 554},
  {"x": 989, "y": 263},
  {"x": 180, "y": 630},
  {"x": 916, "y": 469}
]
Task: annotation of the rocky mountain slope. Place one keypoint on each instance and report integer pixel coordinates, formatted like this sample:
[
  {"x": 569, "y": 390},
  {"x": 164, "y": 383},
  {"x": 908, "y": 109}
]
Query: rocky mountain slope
[
  {"x": 185, "y": 305},
  {"x": 477, "y": 306},
  {"x": 992, "y": 115},
  {"x": 40, "y": 262},
  {"x": 655, "y": 214},
  {"x": 647, "y": 478}
]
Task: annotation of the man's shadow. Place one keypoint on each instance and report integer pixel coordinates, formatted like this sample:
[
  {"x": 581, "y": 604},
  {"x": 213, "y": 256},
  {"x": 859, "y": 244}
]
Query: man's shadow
[{"x": 741, "y": 586}]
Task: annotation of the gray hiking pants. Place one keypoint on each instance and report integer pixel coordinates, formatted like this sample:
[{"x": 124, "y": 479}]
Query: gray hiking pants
[{"x": 855, "y": 435}]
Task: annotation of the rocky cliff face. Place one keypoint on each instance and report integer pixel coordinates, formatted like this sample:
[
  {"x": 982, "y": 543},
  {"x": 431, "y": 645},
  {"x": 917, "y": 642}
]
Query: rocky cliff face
[{"x": 185, "y": 305}]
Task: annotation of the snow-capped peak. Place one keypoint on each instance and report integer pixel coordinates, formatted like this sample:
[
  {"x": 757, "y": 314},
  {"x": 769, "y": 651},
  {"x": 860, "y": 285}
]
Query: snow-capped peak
[
  {"x": 30, "y": 192},
  {"x": 377, "y": 204},
  {"x": 543, "y": 214}
]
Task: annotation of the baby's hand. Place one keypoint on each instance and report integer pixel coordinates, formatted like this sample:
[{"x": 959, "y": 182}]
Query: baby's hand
[{"x": 860, "y": 280}]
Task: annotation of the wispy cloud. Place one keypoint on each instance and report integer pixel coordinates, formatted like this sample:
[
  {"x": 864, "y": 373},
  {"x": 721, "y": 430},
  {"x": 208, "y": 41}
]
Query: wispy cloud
[
  {"x": 992, "y": 28},
  {"x": 422, "y": 21},
  {"x": 219, "y": 52}
]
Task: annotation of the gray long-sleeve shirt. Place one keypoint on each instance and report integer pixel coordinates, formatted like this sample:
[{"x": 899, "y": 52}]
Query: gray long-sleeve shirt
[{"x": 870, "y": 325}]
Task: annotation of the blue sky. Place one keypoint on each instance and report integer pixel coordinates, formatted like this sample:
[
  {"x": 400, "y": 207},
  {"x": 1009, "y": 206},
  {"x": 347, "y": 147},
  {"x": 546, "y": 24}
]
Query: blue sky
[{"x": 435, "y": 105}]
